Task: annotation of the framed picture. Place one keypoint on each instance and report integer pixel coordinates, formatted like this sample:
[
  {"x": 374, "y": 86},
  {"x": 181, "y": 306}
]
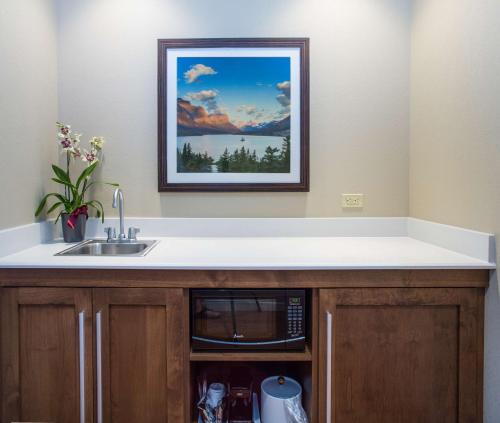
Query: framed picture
[{"x": 233, "y": 114}]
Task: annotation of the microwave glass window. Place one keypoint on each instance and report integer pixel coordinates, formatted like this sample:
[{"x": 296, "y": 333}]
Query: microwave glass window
[
  {"x": 235, "y": 319},
  {"x": 256, "y": 319},
  {"x": 213, "y": 319}
]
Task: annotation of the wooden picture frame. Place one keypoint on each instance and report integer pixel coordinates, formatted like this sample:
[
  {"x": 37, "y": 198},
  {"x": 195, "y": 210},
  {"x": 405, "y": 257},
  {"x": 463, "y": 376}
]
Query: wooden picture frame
[{"x": 214, "y": 93}]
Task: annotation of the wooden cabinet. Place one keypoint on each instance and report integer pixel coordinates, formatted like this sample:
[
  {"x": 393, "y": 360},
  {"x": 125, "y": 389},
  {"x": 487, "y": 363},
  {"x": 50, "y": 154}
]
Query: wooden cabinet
[
  {"x": 46, "y": 355},
  {"x": 140, "y": 339},
  {"x": 112, "y": 346},
  {"x": 81, "y": 355},
  {"x": 400, "y": 355}
]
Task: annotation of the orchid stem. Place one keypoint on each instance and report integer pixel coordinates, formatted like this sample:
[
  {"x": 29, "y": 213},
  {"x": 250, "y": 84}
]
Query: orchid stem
[{"x": 66, "y": 189}]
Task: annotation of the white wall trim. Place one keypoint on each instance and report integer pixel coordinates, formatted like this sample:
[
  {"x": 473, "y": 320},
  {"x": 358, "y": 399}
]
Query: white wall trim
[
  {"x": 13, "y": 240},
  {"x": 471, "y": 243}
]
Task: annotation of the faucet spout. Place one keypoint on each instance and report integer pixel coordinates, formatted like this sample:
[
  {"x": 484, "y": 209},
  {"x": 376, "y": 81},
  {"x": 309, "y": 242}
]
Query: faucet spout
[{"x": 118, "y": 202}]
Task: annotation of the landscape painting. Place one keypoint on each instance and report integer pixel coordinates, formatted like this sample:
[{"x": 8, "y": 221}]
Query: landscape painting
[
  {"x": 232, "y": 119},
  {"x": 233, "y": 114}
]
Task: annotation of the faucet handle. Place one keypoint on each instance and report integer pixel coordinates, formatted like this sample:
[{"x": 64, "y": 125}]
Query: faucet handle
[
  {"x": 132, "y": 233},
  {"x": 111, "y": 232}
]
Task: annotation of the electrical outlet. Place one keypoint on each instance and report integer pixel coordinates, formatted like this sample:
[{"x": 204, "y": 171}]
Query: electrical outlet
[{"x": 352, "y": 201}]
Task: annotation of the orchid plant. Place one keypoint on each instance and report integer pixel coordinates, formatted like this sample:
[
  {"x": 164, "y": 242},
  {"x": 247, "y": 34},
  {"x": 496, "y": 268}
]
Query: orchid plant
[{"x": 73, "y": 201}]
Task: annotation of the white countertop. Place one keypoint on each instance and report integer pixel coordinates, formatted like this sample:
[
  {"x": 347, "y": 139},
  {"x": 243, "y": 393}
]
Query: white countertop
[
  {"x": 278, "y": 253},
  {"x": 279, "y": 244}
]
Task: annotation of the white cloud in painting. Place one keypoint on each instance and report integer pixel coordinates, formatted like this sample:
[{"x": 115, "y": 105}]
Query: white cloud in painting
[
  {"x": 196, "y": 71},
  {"x": 249, "y": 110},
  {"x": 208, "y": 99},
  {"x": 203, "y": 95},
  {"x": 283, "y": 99},
  {"x": 252, "y": 111},
  {"x": 284, "y": 87}
]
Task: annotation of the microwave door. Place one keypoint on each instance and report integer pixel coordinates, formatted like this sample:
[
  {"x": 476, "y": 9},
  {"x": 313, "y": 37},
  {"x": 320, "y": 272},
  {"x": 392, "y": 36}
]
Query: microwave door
[
  {"x": 258, "y": 321},
  {"x": 213, "y": 320},
  {"x": 239, "y": 319}
]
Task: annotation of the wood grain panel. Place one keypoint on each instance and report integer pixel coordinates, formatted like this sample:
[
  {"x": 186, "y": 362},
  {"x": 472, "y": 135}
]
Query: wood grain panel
[
  {"x": 122, "y": 278},
  {"x": 138, "y": 371},
  {"x": 403, "y": 355},
  {"x": 252, "y": 355},
  {"x": 40, "y": 354},
  {"x": 143, "y": 354},
  {"x": 396, "y": 364},
  {"x": 48, "y": 363}
]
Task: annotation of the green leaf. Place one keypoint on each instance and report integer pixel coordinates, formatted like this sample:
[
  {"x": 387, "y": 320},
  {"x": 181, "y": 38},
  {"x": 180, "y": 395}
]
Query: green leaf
[
  {"x": 63, "y": 199},
  {"x": 42, "y": 205},
  {"x": 99, "y": 208},
  {"x": 61, "y": 174},
  {"x": 85, "y": 174},
  {"x": 72, "y": 188},
  {"x": 100, "y": 204},
  {"x": 54, "y": 206},
  {"x": 64, "y": 183},
  {"x": 44, "y": 201},
  {"x": 58, "y": 217},
  {"x": 113, "y": 184},
  {"x": 98, "y": 212}
]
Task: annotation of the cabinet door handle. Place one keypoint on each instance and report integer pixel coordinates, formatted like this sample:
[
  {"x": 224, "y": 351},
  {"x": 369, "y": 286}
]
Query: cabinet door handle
[
  {"x": 329, "y": 340},
  {"x": 81, "y": 336},
  {"x": 98, "y": 337}
]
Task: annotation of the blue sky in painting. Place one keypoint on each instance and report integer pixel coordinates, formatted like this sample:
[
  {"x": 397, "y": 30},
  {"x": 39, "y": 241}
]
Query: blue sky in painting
[{"x": 251, "y": 90}]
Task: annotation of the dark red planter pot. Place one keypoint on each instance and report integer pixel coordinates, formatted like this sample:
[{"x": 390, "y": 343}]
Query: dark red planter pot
[{"x": 76, "y": 234}]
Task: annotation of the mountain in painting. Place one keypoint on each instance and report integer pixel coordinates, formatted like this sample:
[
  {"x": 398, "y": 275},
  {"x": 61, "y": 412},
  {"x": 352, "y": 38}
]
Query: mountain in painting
[
  {"x": 277, "y": 128},
  {"x": 195, "y": 120}
]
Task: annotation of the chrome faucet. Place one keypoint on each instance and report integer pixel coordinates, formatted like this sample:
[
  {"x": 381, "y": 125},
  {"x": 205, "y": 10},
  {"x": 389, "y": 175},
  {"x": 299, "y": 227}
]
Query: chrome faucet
[
  {"x": 111, "y": 232},
  {"x": 118, "y": 202}
]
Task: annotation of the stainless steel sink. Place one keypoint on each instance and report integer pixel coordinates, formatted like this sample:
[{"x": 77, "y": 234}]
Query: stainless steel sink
[{"x": 100, "y": 247}]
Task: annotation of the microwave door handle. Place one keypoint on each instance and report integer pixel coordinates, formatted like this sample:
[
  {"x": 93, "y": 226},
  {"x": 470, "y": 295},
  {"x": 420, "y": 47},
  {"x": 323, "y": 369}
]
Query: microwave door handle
[
  {"x": 233, "y": 317},
  {"x": 233, "y": 314},
  {"x": 259, "y": 308}
]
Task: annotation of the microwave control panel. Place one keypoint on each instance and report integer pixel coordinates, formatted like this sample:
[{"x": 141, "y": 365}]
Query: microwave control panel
[{"x": 295, "y": 313}]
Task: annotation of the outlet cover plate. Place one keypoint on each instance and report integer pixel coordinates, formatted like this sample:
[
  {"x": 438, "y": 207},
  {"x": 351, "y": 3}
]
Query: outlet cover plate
[{"x": 352, "y": 201}]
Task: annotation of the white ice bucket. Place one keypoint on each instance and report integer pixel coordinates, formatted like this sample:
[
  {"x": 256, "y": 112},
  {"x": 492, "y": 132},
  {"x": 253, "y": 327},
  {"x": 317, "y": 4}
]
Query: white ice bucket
[{"x": 274, "y": 391}]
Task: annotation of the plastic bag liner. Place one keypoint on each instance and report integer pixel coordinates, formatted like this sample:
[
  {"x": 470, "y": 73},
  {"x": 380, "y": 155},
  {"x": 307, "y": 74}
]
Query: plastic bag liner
[
  {"x": 212, "y": 405},
  {"x": 294, "y": 411}
]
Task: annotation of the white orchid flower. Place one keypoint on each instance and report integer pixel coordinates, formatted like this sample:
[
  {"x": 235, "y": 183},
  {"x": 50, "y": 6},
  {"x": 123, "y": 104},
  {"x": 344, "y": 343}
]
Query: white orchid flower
[
  {"x": 89, "y": 157},
  {"x": 65, "y": 130},
  {"x": 76, "y": 138},
  {"x": 66, "y": 144},
  {"x": 97, "y": 142}
]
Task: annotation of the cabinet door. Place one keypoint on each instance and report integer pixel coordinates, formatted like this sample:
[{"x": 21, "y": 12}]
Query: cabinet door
[
  {"x": 46, "y": 355},
  {"x": 401, "y": 355},
  {"x": 139, "y": 355}
]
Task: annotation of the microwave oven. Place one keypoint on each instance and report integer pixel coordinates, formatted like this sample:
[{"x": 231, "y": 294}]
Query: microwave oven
[{"x": 248, "y": 319}]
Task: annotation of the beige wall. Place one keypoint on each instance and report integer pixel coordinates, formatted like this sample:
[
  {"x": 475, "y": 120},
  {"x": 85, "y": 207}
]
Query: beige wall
[
  {"x": 359, "y": 92},
  {"x": 455, "y": 135},
  {"x": 28, "y": 105}
]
